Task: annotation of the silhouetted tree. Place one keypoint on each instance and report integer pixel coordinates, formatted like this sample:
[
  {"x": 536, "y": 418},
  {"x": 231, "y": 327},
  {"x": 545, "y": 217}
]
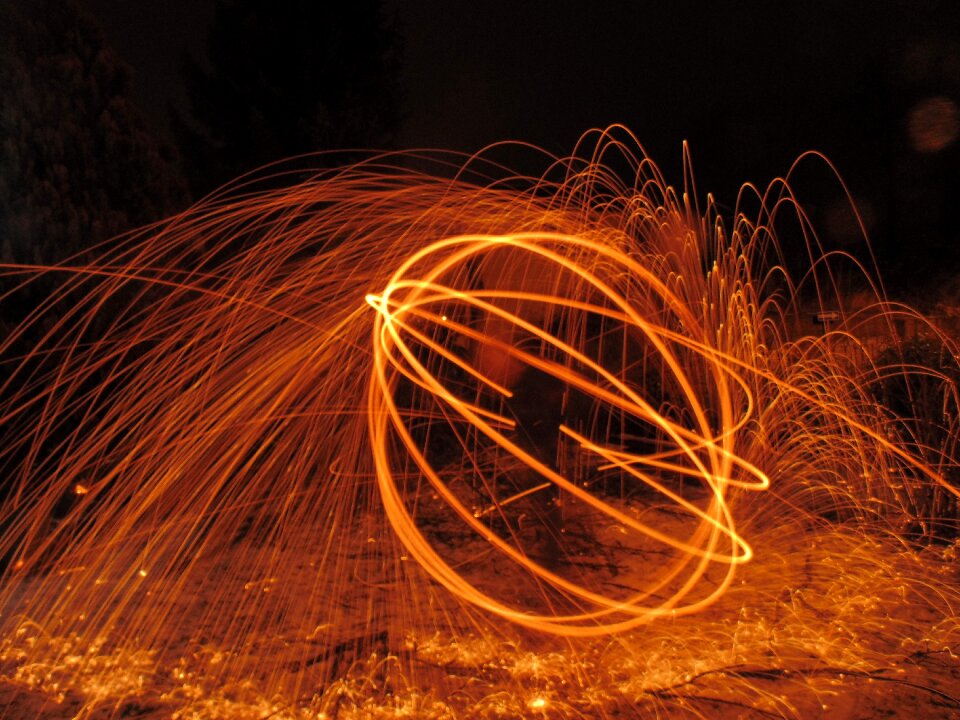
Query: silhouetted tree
[
  {"x": 77, "y": 162},
  {"x": 282, "y": 79}
]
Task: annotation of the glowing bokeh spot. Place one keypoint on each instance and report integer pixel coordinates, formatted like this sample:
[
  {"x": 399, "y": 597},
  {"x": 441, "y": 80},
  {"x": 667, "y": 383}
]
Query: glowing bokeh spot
[{"x": 933, "y": 124}]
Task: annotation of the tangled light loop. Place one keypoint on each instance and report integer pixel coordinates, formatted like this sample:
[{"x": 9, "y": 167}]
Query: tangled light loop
[{"x": 537, "y": 293}]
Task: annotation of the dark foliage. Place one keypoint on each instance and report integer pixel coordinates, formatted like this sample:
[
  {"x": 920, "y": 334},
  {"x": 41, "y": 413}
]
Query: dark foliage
[{"x": 77, "y": 162}]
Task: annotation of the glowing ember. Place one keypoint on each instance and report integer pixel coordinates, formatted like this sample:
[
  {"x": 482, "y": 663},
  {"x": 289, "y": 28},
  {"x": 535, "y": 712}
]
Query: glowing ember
[{"x": 365, "y": 446}]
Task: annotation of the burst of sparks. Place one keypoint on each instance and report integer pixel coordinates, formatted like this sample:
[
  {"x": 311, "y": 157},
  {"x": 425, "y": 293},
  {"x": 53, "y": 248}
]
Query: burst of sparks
[{"x": 278, "y": 457}]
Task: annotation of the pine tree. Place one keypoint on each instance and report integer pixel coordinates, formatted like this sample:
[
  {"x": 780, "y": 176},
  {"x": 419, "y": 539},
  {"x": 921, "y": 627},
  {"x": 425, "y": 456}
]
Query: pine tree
[{"x": 78, "y": 164}]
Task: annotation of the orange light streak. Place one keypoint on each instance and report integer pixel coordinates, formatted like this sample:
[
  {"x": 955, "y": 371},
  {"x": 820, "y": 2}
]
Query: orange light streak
[
  {"x": 407, "y": 300},
  {"x": 313, "y": 446}
]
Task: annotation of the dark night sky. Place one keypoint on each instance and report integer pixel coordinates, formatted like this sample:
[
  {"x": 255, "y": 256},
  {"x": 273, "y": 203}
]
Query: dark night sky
[
  {"x": 750, "y": 84},
  {"x": 738, "y": 74}
]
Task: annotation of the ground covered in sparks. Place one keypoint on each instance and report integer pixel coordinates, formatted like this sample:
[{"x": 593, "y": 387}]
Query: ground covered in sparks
[{"x": 825, "y": 622}]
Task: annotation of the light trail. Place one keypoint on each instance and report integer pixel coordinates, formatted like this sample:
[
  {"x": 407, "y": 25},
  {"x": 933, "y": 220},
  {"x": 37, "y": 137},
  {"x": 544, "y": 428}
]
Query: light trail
[
  {"x": 568, "y": 264},
  {"x": 313, "y": 451}
]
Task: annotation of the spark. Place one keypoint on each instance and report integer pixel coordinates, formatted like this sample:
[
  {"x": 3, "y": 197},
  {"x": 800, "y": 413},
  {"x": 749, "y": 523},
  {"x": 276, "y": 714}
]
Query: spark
[{"x": 386, "y": 442}]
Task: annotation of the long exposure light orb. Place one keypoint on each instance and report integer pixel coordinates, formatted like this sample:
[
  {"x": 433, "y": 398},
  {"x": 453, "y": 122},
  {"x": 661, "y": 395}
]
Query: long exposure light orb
[
  {"x": 418, "y": 436},
  {"x": 575, "y": 278}
]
